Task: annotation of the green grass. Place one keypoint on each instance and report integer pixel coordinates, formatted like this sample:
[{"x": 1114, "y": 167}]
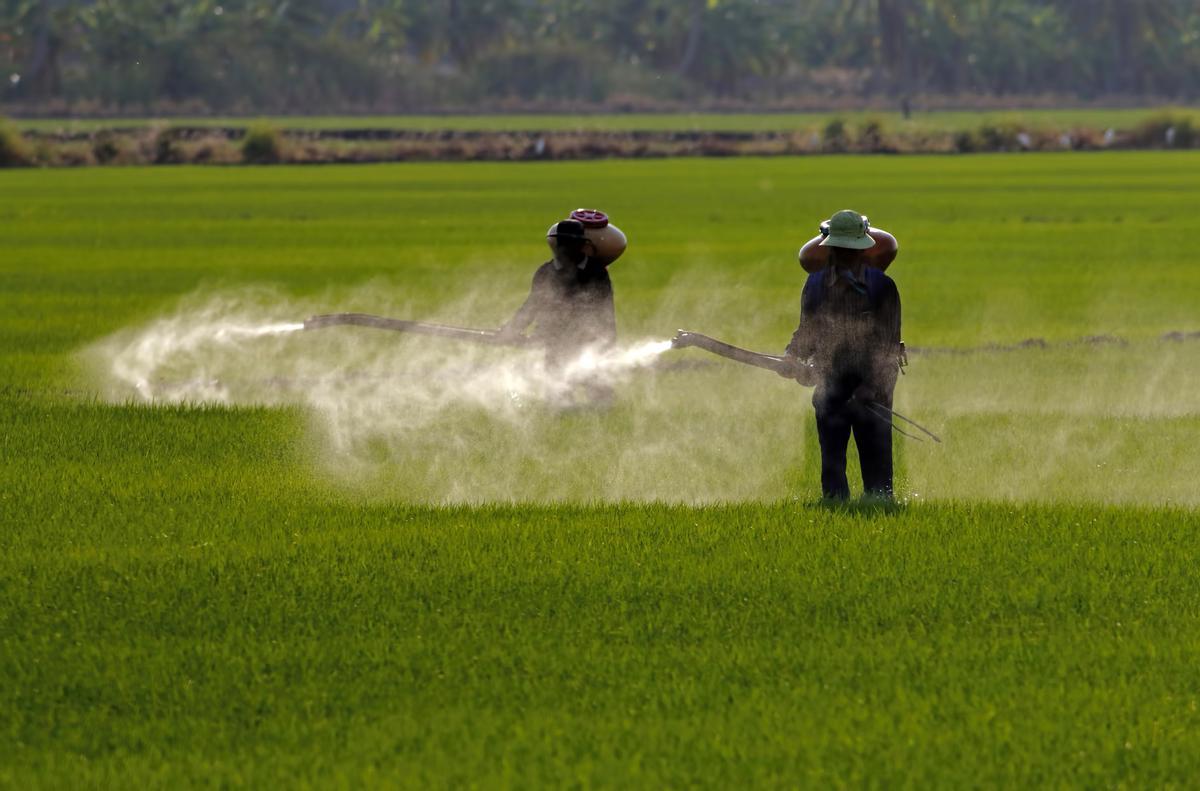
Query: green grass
[
  {"x": 1101, "y": 118},
  {"x": 227, "y": 596},
  {"x": 236, "y": 642}
]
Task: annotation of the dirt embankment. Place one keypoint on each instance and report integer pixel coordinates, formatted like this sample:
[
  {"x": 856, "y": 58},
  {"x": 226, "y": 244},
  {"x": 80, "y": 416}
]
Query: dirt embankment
[{"x": 267, "y": 145}]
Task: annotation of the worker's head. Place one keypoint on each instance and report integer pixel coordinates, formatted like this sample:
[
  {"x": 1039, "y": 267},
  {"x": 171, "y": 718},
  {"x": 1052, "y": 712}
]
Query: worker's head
[
  {"x": 569, "y": 242},
  {"x": 847, "y": 230},
  {"x": 846, "y": 238}
]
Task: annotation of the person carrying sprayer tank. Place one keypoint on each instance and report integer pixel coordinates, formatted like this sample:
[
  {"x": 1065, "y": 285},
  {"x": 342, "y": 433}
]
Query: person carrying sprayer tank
[
  {"x": 848, "y": 345},
  {"x": 570, "y": 303}
]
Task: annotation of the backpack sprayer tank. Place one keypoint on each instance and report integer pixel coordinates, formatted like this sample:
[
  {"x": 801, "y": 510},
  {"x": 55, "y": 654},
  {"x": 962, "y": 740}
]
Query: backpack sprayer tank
[
  {"x": 814, "y": 257},
  {"x": 607, "y": 239}
]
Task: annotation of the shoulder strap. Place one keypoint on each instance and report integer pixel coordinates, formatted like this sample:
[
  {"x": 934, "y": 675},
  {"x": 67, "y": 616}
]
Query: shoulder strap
[{"x": 814, "y": 289}]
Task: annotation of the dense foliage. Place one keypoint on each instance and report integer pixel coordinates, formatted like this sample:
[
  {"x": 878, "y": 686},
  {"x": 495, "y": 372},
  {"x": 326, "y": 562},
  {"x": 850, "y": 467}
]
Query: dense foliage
[{"x": 323, "y": 55}]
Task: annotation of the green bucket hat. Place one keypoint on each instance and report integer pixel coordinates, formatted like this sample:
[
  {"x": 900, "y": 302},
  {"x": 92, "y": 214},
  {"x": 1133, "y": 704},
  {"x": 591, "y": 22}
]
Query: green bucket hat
[{"x": 848, "y": 228}]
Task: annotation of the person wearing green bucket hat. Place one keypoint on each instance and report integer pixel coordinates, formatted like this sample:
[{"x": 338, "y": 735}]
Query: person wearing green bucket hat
[
  {"x": 570, "y": 302},
  {"x": 847, "y": 229},
  {"x": 848, "y": 343}
]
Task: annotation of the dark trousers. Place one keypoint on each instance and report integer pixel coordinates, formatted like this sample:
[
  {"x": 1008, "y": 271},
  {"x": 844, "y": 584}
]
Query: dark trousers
[{"x": 837, "y": 418}]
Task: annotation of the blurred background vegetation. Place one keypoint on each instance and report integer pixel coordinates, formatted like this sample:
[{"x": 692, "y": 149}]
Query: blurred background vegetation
[{"x": 344, "y": 56}]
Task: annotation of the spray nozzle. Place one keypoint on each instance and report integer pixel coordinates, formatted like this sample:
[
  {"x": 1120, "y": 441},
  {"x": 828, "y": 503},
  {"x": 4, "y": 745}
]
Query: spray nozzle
[{"x": 683, "y": 339}]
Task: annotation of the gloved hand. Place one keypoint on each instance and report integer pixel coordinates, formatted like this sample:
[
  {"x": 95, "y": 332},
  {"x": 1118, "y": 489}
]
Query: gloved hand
[{"x": 800, "y": 370}]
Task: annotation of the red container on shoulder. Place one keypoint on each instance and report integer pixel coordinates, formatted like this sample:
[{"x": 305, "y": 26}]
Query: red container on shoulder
[{"x": 608, "y": 241}]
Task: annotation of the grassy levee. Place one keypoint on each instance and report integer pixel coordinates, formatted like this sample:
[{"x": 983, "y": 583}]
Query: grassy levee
[
  {"x": 215, "y": 595},
  {"x": 942, "y": 120}
]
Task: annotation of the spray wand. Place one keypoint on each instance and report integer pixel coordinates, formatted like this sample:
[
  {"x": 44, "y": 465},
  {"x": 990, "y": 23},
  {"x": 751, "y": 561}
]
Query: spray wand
[
  {"x": 786, "y": 366},
  {"x": 792, "y": 368},
  {"x": 491, "y": 337}
]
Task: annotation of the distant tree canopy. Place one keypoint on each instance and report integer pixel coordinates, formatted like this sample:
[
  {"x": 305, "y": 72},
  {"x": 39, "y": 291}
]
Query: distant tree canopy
[{"x": 396, "y": 55}]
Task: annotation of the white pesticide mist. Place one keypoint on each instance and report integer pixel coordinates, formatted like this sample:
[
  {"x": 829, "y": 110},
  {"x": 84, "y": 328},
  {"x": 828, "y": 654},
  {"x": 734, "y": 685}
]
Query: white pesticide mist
[
  {"x": 376, "y": 397},
  {"x": 424, "y": 419},
  {"x": 168, "y": 343}
]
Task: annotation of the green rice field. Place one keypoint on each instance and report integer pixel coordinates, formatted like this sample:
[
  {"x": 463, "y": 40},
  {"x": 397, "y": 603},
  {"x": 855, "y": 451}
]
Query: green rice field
[{"x": 355, "y": 559}]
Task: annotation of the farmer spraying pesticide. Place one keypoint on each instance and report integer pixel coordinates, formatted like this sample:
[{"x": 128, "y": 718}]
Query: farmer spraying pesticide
[
  {"x": 570, "y": 310},
  {"x": 570, "y": 304},
  {"x": 848, "y": 345}
]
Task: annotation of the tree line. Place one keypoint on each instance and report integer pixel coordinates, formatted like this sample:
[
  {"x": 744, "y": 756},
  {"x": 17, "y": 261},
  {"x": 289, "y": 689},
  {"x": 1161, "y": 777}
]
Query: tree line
[{"x": 405, "y": 55}]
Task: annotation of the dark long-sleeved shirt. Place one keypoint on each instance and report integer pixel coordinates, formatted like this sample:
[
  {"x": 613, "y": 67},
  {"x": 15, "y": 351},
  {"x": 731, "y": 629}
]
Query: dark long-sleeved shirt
[
  {"x": 848, "y": 332},
  {"x": 569, "y": 307}
]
